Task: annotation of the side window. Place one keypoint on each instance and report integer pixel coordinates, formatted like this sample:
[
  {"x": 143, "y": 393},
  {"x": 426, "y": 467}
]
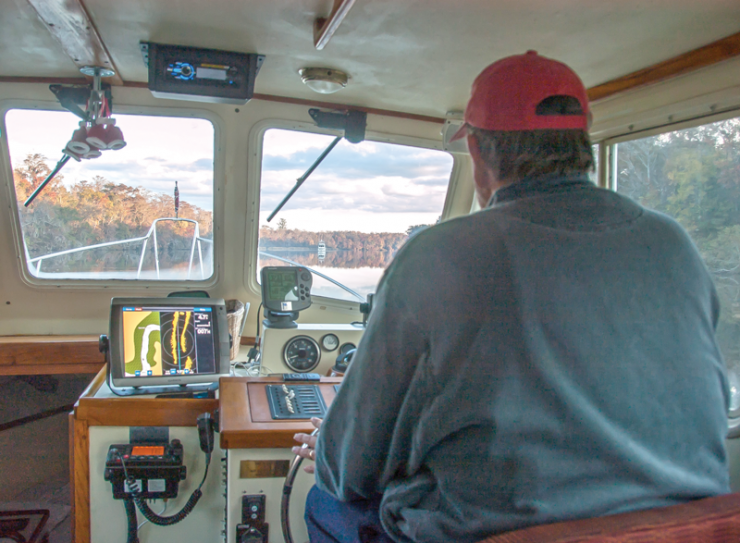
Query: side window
[
  {"x": 694, "y": 176},
  {"x": 353, "y": 213},
  {"x": 594, "y": 175},
  {"x": 144, "y": 212}
]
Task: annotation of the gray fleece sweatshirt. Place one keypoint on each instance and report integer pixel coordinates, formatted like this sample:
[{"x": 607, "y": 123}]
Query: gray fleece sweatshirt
[{"x": 551, "y": 357}]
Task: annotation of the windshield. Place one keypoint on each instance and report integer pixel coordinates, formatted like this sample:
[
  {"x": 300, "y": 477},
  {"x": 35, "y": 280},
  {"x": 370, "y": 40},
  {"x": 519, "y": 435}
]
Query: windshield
[
  {"x": 354, "y": 212},
  {"x": 142, "y": 212}
]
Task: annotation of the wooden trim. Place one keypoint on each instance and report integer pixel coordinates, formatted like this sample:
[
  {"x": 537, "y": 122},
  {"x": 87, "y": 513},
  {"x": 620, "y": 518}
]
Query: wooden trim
[
  {"x": 79, "y": 465},
  {"x": 49, "y": 355},
  {"x": 136, "y": 84},
  {"x": 243, "y": 408},
  {"x": 94, "y": 385},
  {"x": 42, "y": 80},
  {"x": 69, "y": 23},
  {"x": 71, "y": 447},
  {"x": 248, "y": 340},
  {"x": 80, "y": 481},
  {"x": 702, "y": 57},
  {"x": 324, "y": 29},
  {"x": 142, "y": 411},
  {"x": 137, "y": 410},
  {"x": 256, "y": 96},
  {"x": 342, "y": 107},
  {"x": 36, "y": 340}
]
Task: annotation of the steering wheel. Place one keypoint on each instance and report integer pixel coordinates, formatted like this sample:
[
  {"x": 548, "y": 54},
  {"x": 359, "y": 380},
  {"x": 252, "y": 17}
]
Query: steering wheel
[
  {"x": 287, "y": 490},
  {"x": 343, "y": 361}
]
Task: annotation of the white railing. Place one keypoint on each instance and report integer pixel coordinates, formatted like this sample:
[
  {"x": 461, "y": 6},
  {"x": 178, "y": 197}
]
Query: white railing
[{"x": 152, "y": 233}]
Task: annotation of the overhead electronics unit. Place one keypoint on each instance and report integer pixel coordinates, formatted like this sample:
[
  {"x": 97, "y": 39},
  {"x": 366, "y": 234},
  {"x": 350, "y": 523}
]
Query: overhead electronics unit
[{"x": 203, "y": 75}]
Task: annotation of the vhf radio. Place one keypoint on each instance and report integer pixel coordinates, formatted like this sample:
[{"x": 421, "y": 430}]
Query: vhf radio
[
  {"x": 158, "y": 469},
  {"x": 286, "y": 290},
  {"x": 153, "y": 470}
]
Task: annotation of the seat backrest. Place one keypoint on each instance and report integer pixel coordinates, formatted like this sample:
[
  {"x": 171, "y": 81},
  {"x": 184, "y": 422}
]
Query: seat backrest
[{"x": 711, "y": 520}]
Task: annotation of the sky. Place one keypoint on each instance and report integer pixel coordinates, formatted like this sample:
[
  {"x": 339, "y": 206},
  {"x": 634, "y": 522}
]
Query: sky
[
  {"x": 368, "y": 187},
  {"x": 159, "y": 151}
]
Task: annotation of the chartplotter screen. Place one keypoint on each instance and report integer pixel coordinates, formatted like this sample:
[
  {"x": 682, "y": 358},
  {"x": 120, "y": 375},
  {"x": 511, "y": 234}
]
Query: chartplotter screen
[{"x": 159, "y": 341}]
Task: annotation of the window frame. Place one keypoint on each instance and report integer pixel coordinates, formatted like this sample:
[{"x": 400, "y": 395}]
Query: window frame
[
  {"x": 609, "y": 144},
  {"x": 18, "y": 242},
  {"x": 254, "y": 177}
]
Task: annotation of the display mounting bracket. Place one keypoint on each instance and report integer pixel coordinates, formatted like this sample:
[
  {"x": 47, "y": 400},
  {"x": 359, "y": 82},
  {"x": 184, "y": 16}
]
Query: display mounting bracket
[{"x": 353, "y": 122}]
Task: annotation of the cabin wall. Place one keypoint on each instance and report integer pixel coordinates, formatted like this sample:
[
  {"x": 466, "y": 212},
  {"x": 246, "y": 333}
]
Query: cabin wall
[
  {"x": 29, "y": 308},
  {"x": 708, "y": 91}
]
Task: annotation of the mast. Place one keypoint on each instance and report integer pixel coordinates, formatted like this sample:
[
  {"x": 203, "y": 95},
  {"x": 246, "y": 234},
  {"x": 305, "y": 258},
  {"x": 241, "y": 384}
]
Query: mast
[{"x": 177, "y": 201}]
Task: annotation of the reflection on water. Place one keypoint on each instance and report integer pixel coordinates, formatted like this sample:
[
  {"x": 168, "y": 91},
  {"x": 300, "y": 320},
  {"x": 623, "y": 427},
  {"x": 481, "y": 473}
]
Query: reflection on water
[
  {"x": 334, "y": 259},
  {"x": 357, "y": 270}
]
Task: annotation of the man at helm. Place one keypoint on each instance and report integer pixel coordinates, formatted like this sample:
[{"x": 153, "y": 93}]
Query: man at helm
[{"x": 551, "y": 357}]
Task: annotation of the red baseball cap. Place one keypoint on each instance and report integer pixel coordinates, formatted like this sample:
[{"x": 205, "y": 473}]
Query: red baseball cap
[{"x": 507, "y": 94}]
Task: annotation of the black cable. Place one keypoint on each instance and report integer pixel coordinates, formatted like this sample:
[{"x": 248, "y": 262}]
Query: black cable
[
  {"x": 257, "y": 337},
  {"x": 150, "y": 515},
  {"x": 38, "y": 416},
  {"x": 154, "y": 518},
  {"x": 132, "y": 521}
]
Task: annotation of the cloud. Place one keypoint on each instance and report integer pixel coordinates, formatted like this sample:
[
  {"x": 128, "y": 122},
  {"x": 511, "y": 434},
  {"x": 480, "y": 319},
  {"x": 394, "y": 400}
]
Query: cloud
[
  {"x": 357, "y": 162},
  {"x": 368, "y": 177},
  {"x": 278, "y": 142}
]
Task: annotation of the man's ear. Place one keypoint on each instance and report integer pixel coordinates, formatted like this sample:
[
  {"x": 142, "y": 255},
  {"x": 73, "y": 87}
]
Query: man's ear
[{"x": 474, "y": 147}]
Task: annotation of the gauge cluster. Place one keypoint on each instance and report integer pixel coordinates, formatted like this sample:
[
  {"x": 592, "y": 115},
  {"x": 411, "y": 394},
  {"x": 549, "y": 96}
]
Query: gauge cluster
[{"x": 308, "y": 348}]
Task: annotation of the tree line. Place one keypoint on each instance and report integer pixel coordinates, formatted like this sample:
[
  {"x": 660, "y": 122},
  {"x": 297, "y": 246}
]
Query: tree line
[
  {"x": 95, "y": 211},
  {"x": 694, "y": 176},
  {"x": 334, "y": 240}
]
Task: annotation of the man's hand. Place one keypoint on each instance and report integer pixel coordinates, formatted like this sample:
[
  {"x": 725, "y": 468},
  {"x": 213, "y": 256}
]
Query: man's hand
[{"x": 308, "y": 450}]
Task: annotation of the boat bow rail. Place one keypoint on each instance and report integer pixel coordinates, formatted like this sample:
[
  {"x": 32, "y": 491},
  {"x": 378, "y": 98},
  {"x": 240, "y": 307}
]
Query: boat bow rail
[{"x": 197, "y": 241}]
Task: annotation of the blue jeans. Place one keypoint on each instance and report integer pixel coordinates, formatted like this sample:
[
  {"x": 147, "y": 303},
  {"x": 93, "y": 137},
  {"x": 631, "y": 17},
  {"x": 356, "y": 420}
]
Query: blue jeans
[{"x": 331, "y": 521}]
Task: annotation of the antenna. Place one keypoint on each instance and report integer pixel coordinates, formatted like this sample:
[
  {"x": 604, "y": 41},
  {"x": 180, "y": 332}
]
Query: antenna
[{"x": 177, "y": 201}]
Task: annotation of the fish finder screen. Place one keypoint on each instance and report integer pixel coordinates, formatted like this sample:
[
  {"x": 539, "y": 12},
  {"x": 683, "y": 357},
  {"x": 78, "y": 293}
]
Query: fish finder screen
[
  {"x": 160, "y": 341},
  {"x": 282, "y": 285}
]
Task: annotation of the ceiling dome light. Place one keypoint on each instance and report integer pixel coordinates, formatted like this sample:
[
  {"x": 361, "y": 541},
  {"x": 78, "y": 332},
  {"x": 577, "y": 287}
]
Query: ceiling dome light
[{"x": 323, "y": 80}]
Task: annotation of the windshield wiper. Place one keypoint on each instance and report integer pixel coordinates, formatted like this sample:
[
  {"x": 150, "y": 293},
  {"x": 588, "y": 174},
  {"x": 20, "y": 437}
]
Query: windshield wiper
[
  {"x": 302, "y": 178},
  {"x": 65, "y": 158}
]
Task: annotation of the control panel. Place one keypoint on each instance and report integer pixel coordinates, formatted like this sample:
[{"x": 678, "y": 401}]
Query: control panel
[{"x": 309, "y": 348}]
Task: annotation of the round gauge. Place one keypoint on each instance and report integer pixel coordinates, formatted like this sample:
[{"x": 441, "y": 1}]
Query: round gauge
[
  {"x": 302, "y": 354},
  {"x": 330, "y": 342},
  {"x": 347, "y": 347}
]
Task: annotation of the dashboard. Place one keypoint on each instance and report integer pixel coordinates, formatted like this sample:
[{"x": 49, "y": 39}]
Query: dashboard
[{"x": 308, "y": 348}]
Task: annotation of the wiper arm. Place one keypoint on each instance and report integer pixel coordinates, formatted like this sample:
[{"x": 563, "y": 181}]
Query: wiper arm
[
  {"x": 48, "y": 179},
  {"x": 302, "y": 178}
]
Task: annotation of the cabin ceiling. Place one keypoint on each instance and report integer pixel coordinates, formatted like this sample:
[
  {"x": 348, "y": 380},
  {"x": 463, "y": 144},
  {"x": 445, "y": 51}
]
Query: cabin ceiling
[{"x": 415, "y": 56}]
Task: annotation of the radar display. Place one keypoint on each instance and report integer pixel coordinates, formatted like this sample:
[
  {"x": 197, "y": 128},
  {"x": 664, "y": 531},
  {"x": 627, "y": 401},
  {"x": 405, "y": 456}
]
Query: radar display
[{"x": 167, "y": 341}]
